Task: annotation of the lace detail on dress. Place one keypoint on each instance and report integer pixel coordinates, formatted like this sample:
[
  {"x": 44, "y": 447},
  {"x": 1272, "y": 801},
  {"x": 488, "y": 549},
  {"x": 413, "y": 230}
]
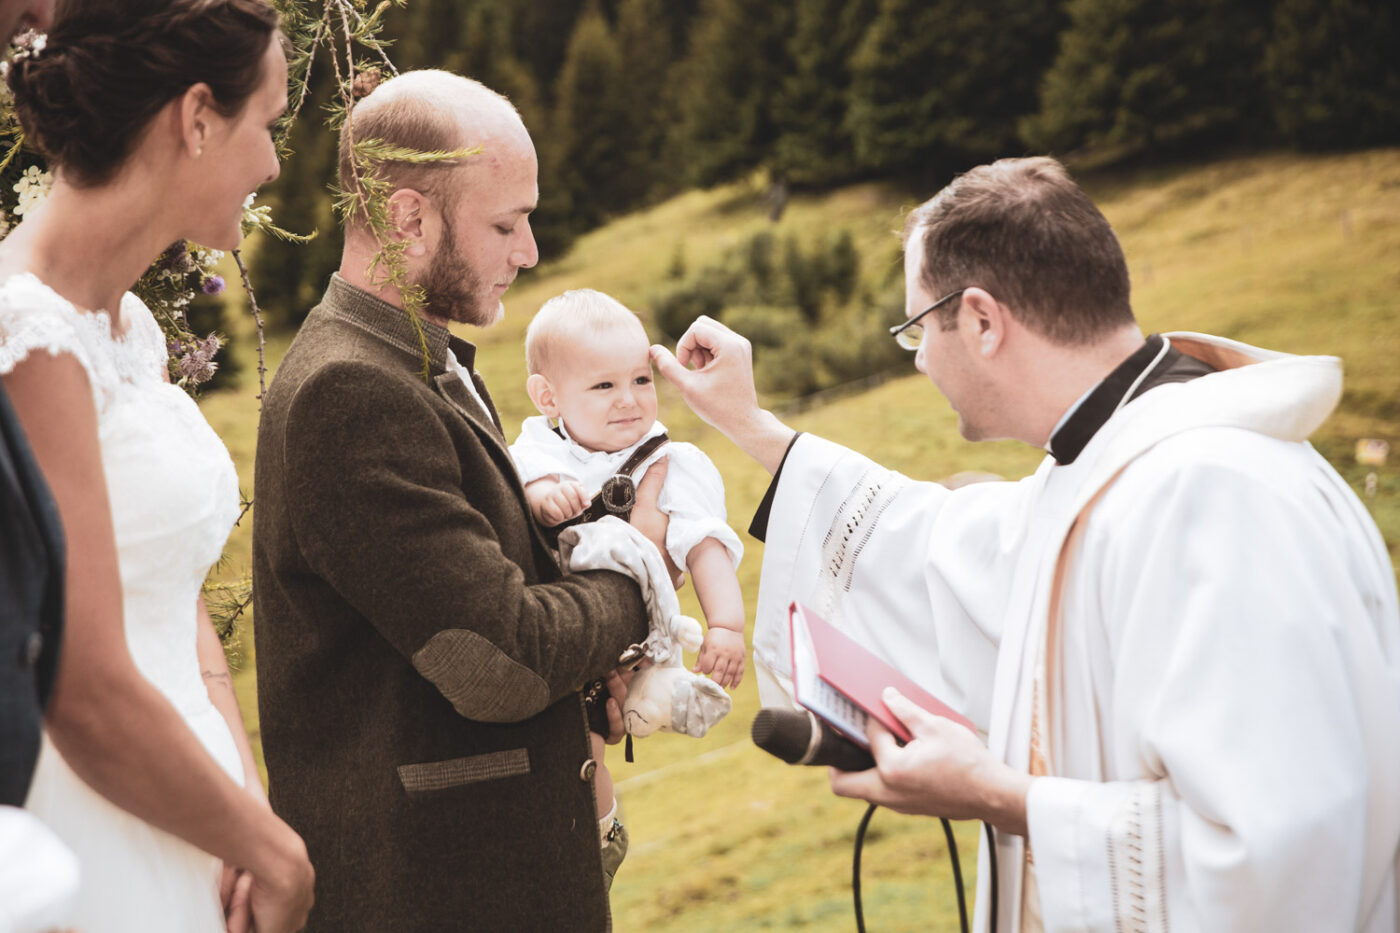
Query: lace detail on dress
[
  {"x": 144, "y": 339},
  {"x": 34, "y": 318}
]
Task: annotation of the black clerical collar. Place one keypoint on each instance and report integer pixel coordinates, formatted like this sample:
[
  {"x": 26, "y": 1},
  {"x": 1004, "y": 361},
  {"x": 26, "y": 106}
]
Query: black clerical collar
[{"x": 1155, "y": 363}]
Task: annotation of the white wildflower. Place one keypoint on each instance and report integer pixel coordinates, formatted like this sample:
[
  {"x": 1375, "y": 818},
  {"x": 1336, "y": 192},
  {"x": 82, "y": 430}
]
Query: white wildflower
[{"x": 33, "y": 187}]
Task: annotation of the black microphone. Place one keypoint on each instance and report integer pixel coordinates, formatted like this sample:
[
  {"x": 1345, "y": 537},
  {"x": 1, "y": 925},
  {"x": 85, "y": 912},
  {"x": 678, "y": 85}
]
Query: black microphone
[{"x": 800, "y": 738}]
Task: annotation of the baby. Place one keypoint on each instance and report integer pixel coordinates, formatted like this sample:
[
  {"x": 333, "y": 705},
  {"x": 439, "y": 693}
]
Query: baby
[{"x": 590, "y": 374}]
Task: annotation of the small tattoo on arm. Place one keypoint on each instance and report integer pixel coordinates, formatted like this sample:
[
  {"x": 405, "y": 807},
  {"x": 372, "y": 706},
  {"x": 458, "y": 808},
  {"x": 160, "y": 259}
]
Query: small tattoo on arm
[{"x": 224, "y": 679}]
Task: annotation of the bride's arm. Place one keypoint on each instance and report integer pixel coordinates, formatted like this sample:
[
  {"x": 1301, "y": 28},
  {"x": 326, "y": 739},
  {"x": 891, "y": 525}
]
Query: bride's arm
[
  {"x": 213, "y": 665},
  {"x": 117, "y": 732}
]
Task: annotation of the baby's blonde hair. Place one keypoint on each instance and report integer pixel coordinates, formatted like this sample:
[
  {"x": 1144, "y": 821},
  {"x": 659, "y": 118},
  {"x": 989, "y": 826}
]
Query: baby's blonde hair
[{"x": 564, "y": 318}]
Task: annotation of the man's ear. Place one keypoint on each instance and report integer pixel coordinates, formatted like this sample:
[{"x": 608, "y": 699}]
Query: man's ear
[
  {"x": 542, "y": 394},
  {"x": 983, "y": 321},
  {"x": 195, "y": 115},
  {"x": 410, "y": 217}
]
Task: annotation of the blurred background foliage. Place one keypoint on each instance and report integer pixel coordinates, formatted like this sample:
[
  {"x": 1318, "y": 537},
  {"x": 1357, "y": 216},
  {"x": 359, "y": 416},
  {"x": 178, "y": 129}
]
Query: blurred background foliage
[{"x": 631, "y": 102}]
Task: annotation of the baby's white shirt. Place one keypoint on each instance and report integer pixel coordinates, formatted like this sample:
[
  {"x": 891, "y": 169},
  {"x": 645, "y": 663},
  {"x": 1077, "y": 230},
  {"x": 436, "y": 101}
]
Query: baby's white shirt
[{"x": 693, "y": 495}]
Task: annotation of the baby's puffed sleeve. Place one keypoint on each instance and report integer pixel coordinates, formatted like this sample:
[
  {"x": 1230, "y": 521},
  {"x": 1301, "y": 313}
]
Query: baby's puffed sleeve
[
  {"x": 537, "y": 453},
  {"x": 693, "y": 497}
]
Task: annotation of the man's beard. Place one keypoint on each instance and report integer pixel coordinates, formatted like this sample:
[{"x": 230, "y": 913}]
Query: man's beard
[{"x": 452, "y": 288}]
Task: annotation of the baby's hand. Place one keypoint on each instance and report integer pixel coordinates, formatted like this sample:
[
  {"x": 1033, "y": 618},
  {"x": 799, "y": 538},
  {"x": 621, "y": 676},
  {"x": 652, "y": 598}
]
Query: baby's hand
[
  {"x": 553, "y": 501},
  {"x": 722, "y": 656}
]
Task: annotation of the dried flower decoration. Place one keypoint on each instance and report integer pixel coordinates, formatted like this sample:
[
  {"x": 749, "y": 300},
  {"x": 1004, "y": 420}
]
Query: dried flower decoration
[
  {"x": 197, "y": 364},
  {"x": 214, "y": 285},
  {"x": 177, "y": 259}
]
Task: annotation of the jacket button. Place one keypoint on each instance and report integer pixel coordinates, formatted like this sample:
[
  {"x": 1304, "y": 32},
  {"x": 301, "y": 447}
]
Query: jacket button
[
  {"x": 589, "y": 768},
  {"x": 33, "y": 647}
]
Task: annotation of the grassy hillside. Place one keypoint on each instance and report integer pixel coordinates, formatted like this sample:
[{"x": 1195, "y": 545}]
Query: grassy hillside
[{"x": 1300, "y": 254}]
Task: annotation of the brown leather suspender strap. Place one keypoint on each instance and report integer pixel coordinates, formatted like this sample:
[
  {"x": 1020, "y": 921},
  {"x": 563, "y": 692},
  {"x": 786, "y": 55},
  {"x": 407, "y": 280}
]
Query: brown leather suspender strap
[{"x": 619, "y": 492}]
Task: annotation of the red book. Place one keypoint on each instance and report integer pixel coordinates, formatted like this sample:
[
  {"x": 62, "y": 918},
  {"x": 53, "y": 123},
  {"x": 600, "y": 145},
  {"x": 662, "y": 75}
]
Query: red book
[{"x": 841, "y": 680}]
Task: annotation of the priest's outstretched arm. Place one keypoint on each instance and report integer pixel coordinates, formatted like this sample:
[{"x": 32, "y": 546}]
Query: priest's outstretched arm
[{"x": 917, "y": 574}]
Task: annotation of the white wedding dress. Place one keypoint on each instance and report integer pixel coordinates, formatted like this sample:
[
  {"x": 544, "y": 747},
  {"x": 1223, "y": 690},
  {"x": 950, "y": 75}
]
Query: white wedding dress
[{"x": 174, "y": 498}]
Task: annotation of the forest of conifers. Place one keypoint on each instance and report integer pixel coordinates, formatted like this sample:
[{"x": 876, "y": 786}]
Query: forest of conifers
[{"x": 630, "y": 101}]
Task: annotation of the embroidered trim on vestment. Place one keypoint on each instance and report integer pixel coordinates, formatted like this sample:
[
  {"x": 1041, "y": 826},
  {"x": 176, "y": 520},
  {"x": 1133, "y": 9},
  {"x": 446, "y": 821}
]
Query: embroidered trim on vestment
[
  {"x": 1136, "y": 866},
  {"x": 850, "y": 529}
]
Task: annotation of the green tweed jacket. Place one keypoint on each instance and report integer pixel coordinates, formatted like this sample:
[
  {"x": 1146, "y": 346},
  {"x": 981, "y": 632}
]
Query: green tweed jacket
[{"x": 419, "y": 652}]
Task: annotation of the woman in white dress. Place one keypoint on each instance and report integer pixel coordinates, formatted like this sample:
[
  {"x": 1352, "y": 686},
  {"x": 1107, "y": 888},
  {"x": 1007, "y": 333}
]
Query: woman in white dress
[{"x": 156, "y": 116}]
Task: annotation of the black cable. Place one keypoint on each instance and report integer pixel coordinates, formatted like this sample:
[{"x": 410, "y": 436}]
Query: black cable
[
  {"x": 855, "y": 867},
  {"x": 957, "y": 873},
  {"x": 992, "y": 862}
]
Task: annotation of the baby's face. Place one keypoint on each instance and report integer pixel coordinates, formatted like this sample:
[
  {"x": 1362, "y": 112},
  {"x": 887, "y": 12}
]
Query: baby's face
[{"x": 604, "y": 390}]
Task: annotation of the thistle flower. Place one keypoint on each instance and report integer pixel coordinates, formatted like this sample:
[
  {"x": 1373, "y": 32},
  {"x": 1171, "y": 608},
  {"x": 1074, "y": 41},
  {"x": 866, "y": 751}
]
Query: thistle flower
[
  {"x": 197, "y": 365},
  {"x": 214, "y": 285},
  {"x": 176, "y": 259}
]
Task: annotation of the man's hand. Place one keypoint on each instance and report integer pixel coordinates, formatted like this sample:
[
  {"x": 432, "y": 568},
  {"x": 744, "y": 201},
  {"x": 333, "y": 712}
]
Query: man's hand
[
  {"x": 722, "y": 656},
  {"x": 945, "y": 771},
  {"x": 650, "y": 520},
  {"x": 617, "y": 682},
  {"x": 713, "y": 370},
  {"x": 553, "y": 501}
]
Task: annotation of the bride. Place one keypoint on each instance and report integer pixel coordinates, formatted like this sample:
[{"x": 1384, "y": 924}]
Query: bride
[{"x": 156, "y": 116}]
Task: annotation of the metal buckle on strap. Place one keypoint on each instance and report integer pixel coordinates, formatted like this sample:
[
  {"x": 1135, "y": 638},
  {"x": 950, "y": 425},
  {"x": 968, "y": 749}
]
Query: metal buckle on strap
[{"x": 618, "y": 494}]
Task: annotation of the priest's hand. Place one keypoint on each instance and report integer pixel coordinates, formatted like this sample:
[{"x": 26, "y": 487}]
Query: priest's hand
[
  {"x": 713, "y": 370},
  {"x": 944, "y": 771}
]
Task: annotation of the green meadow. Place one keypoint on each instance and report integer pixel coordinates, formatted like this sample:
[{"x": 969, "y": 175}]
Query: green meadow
[{"x": 1297, "y": 253}]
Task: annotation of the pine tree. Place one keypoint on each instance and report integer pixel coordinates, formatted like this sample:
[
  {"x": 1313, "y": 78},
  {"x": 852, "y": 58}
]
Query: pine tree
[
  {"x": 1331, "y": 74},
  {"x": 726, "y": 87},
  {"x": 936, "y": 86},
  {"x": 483, "y": 52},
  {"x": 814, "y": 145},
  {"x": 541, "y": 30},
  {"x": 646, "y": 55},
  {"x": 589, "y": 131},
  {"x": 1139, "y": 73}
]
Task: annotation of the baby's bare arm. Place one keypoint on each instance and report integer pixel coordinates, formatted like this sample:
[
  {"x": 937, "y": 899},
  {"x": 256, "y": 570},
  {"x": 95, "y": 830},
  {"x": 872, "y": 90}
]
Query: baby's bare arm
[
  {"x": 722, "y": 654},
  {"x": 554, "y": 501}
]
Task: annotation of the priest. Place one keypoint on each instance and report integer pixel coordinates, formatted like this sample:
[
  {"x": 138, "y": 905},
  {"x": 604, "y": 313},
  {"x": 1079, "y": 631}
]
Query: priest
[{"x": 1178, "y": 638}]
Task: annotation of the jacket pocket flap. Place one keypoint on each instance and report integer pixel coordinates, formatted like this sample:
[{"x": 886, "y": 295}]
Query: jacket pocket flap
[{"x": 440, "y": 775}]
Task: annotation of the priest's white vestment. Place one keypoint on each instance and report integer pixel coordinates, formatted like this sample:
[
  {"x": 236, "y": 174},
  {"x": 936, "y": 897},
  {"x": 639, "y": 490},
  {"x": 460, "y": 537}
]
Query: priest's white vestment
[{"x": 1224, "y": 728}]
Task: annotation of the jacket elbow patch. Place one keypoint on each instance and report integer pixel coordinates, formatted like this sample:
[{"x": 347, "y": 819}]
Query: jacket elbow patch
[{"x": 478, "y": 679}]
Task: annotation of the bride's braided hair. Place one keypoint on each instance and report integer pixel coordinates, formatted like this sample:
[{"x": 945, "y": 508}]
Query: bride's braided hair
[{"x": 108, "y": 66}]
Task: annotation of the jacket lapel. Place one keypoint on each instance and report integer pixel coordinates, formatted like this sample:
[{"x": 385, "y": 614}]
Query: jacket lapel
[{"x": 450, "y": 387}]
